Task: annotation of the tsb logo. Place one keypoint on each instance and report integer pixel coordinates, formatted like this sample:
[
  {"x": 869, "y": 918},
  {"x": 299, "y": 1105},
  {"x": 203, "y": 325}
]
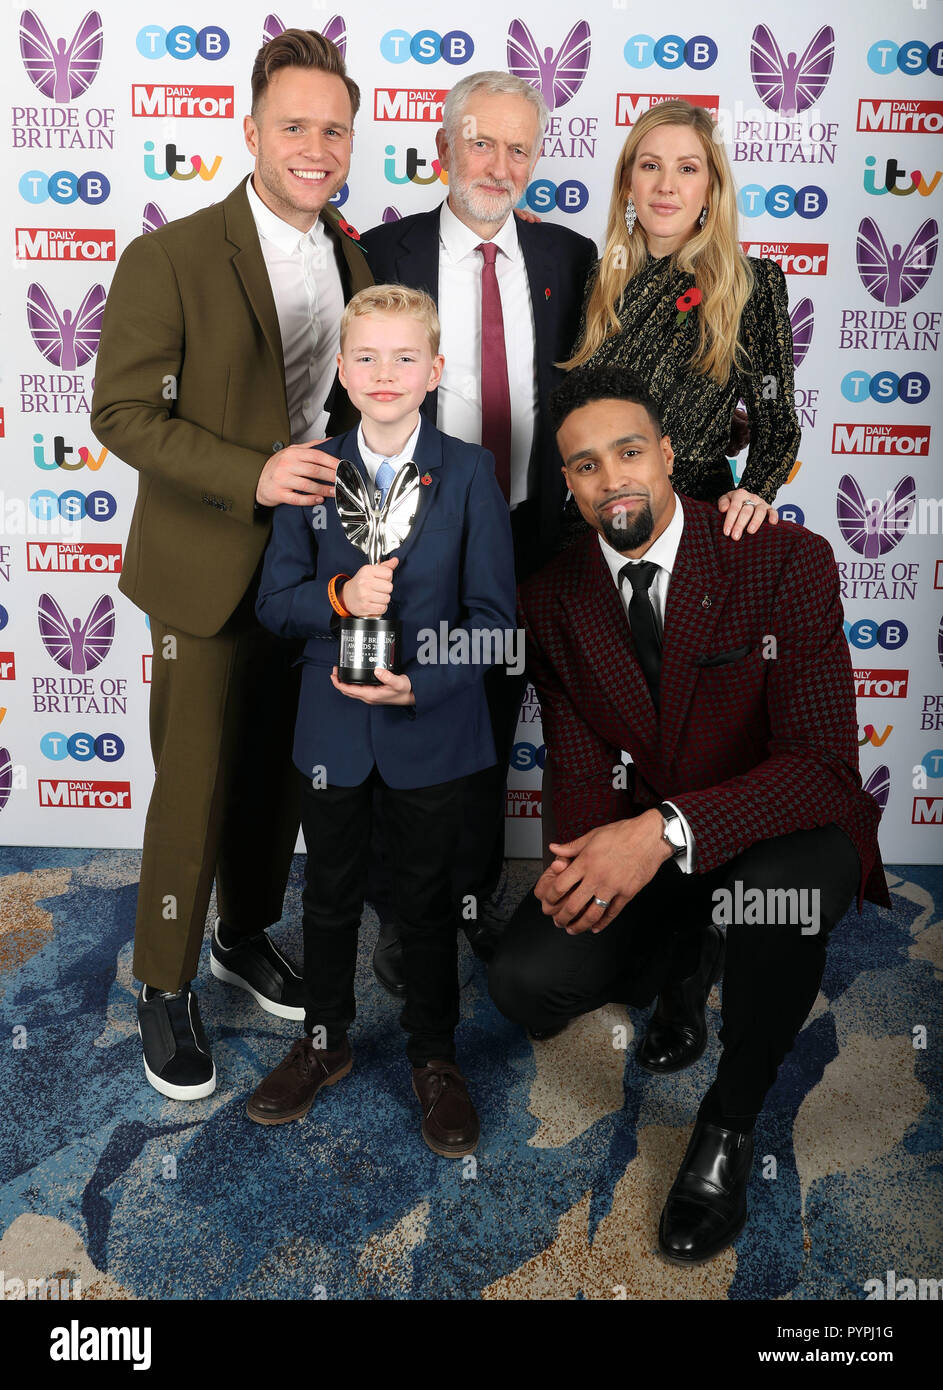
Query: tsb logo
[
  {"x": 671, "y": 51},
  {"x": 910, "y": 58},
  {"x": 65, "y": 186},
  {"x": 886, "y": 387},
  {"x": 455, "y": 47},
  {"x": 867, "y": 633},
  {"x": 782, "y": 201},
  {"x": 183, "y": 42},
  {"x": 542, "y": 196},
  {"x": 82, "y": 747},
  {"x": 73, "y": 506},
  {"x": 526, "y": 756}
]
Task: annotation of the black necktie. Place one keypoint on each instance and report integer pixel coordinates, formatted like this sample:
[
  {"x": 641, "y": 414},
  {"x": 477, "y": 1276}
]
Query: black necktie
[{"x": 643, "y": 624}]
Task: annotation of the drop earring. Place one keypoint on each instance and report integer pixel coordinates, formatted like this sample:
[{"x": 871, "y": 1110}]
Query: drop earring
[
  {"x": 630, "y": 216},
  {"x": 703, "y": 217}
]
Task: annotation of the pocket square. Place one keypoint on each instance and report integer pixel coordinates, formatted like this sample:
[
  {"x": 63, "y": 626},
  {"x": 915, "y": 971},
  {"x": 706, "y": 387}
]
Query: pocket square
[{"x": 723, "y": 658}]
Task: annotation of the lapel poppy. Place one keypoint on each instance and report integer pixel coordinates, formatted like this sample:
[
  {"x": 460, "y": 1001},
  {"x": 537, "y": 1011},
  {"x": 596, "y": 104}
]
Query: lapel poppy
[{"x": 686, "y": 302}]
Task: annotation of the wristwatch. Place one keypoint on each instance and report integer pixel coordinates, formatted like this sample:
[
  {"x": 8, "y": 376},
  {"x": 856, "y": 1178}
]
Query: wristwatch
[{"x": 673, "y": 833}]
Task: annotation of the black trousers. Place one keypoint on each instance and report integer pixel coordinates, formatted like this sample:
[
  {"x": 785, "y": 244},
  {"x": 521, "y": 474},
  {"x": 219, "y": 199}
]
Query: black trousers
[
  {"x": 540, "y": 976},
  {"x": 421, "y": 825}
]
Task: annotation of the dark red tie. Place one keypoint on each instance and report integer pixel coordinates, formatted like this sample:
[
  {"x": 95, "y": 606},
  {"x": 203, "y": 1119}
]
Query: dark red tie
[{"x": 495, "y": 393}]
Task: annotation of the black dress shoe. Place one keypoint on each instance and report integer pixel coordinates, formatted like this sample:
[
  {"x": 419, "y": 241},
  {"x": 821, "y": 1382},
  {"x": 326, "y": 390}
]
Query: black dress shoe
[
  {"x": 677, "y": 1031},
  {"x": 388, "y": 960},
  {"x": 707, "y": 1205}
]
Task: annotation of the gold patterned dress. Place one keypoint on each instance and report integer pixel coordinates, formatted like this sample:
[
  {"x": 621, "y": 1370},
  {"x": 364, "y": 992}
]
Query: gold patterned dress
[{"x": 696, "y": 411}]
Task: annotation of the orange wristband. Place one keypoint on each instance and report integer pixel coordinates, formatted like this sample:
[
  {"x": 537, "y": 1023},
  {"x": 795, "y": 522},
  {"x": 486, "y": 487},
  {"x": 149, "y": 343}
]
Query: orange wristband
[{"x": 333, "y": 598}]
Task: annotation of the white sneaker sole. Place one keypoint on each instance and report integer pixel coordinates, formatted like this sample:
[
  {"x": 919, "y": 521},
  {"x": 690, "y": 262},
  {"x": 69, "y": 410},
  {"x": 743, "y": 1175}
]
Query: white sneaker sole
[
  {"x": 269, "y": 1005},
  {"x": 200, "y": 1092}
]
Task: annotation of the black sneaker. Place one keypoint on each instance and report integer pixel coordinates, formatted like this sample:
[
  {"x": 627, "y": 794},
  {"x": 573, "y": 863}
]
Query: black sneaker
[
  {"x": 258, "y": 966},
  {"x": 177, "y": 1058}
]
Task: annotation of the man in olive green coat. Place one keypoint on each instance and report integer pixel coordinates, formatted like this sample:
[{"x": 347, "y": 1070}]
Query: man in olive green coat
[{"x": 215, "y": 378}]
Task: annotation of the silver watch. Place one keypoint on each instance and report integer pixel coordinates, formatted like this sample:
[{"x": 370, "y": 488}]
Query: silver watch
[{"x": 673, "y": 833}]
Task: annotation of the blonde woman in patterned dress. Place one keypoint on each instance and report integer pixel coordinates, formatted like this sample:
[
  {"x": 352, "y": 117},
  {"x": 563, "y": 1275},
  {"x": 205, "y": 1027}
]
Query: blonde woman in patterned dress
[{"x": 704, "y": 326}]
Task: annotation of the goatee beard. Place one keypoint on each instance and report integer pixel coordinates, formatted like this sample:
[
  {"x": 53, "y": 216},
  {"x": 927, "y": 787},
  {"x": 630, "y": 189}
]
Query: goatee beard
[{"x": 624, "y": 533}]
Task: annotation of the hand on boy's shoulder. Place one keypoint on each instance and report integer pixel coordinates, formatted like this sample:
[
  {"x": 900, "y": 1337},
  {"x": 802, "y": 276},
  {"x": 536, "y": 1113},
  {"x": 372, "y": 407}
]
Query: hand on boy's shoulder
[
  {"x": 301, "y": 474},
  {"x": 393, "y": 690}
]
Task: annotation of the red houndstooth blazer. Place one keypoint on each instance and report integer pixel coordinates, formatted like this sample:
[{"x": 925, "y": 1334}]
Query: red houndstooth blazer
[{"x": 757, "y": 737}]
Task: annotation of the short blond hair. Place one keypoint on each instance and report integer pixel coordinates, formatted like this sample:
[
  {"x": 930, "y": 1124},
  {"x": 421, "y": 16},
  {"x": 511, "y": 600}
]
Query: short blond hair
[{"x": 393, "y": 299}]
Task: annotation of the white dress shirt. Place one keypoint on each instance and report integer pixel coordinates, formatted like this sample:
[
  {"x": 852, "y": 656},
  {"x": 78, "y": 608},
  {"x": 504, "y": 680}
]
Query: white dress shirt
[
  {"x": 459, "y": 399},
  {"x": 309, "y": 301},
  {"x": 662, "y": 552},
  {"x": 372, "y": 461}
]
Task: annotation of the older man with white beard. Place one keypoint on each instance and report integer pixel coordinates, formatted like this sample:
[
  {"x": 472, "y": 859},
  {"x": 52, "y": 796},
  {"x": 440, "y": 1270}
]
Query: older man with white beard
[{"x": 509, "y": 294}]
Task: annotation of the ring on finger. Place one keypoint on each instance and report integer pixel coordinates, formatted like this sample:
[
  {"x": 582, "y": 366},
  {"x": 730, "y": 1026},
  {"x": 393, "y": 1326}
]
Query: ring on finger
[{"x": 601, "y": 902}]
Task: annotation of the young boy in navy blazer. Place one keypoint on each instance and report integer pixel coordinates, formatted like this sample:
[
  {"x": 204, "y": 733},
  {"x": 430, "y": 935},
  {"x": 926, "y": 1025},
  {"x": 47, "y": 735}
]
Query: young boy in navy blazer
[{"x": 415, "y": 735}]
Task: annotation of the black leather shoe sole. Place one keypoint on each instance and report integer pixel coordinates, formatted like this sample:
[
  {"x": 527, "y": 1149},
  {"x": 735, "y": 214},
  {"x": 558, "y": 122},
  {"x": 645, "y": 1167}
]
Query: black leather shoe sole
[
  {"x": 693, "y": 1055},
  {"x": 687, "y": 1060},
  {"x": 702, "y": 1258}
]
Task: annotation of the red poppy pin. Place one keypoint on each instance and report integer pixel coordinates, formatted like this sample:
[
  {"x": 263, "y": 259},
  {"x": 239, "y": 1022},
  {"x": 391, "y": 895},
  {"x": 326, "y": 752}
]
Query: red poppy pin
[
  {"x": 547, "y": 292},
  {"x": 348, "y": 229},
  {"x": 426, "y": 479},
  {"x": 686, "y": 302}
]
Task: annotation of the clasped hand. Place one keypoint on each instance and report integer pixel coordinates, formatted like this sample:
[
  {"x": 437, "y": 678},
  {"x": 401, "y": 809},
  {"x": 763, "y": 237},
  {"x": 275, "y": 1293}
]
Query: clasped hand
[{"x": 612, "y": 863}]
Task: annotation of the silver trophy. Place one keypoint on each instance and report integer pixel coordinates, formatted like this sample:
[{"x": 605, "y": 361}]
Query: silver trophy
[{"x": 377, "y": 531}]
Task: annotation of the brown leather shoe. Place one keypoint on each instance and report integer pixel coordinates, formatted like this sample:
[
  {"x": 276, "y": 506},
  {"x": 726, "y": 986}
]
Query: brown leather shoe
[
  {"x": 449, "y": 1121},
  {"x": 287, "y": 1092}
]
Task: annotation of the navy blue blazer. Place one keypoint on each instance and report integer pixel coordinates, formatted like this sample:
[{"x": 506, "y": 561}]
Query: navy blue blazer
[
  {"x": 558, "y": 262},
  {"x": 456, "y": 567}
]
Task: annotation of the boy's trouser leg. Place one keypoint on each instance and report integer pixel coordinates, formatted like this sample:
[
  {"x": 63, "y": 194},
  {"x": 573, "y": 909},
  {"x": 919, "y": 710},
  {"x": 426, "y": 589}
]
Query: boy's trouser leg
[
  {"x": 336, "y": 824},
  {"x": 215, "y": 701},
  {"x": 422, "y": 825}
]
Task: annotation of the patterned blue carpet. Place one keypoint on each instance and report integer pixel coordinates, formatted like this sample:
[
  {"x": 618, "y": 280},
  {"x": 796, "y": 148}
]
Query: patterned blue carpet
[{"x": 104, "y": 1181}]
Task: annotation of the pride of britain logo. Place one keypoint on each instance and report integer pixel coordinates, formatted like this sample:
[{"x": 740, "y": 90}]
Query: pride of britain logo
[
  {"x": 789, "y": 83},
  {"x": 68, "y": 339},
  {"x": 62, "y": 71},
  {"x": 77, "y": 646}
]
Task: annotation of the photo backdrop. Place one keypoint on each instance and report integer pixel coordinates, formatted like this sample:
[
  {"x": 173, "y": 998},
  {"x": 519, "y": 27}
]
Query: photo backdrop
[{"x": 124, "y": 116}]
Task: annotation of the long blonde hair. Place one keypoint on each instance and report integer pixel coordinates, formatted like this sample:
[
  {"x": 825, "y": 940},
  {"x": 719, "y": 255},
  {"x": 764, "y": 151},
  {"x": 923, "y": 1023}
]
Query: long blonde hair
[{"x": 712, "y": 253}]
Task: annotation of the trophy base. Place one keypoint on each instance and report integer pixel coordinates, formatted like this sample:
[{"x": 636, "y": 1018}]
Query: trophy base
[{"x": 364, "y": 644}]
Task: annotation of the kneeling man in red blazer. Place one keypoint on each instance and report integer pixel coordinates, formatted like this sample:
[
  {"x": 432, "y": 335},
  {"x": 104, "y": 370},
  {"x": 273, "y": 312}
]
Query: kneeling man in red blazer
[{"x": 720, "y": 668}]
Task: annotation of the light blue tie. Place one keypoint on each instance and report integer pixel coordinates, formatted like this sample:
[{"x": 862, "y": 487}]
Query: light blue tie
[{"x": 385, "y": 475}]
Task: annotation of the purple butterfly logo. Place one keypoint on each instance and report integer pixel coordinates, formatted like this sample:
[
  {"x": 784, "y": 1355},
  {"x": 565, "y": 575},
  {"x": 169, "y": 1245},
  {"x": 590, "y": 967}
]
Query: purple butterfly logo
[
  {"x": 558, "y": 77},
  {"x": 6, "y": 776},
  {"x": 335, "y": 30},
  {"x": 878, "y": 785},
  {"x": 67, "y": 340},
  {"x": 894, "y": 276},
  {"x": 61, "y": 73},
  {"x": 874, "y": 527},
  {"x": 802, "y": 318},
  {"x": 153, "y": 218},
  {"x": 791, "y": 84},
  {"x": 78, "y": 647},
  {"x": 391, "y": 214}
]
